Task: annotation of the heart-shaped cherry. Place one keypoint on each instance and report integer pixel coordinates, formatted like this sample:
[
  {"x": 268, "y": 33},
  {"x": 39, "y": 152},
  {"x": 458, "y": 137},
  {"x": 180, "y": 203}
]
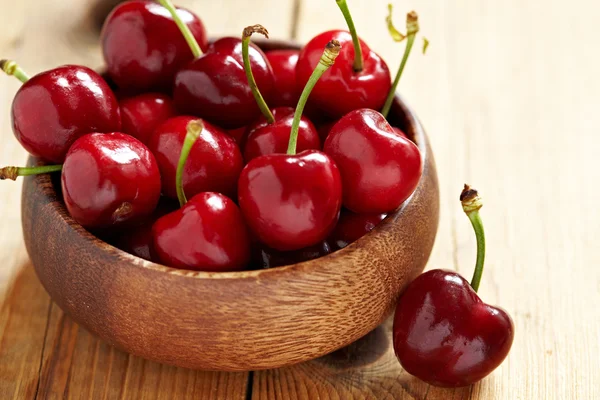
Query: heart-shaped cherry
[
  {"x": 109, "y": 179},
  {"x": 380, "y": 169},
  {"x": 359, "y": 78},
  {"x": 284, "y": 63},
  {"x": 141, "y": 114},
  {"x": 143, "y": 47},
  {"x": 53, "y": 108},
  {"x": 264, "y": 257},
  {"x": 207, "y": 234},
  {"x": 443, "y": 333},
  {"x": 291, "y": 201},
  {"x": 214, "y": 164},
  {"x": 352, "y": 227},
  {"x": 215, "y": 87}
]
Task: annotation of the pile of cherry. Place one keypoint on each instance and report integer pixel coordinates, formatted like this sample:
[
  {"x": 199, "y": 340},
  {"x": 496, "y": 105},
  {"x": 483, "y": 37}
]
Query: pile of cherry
[{"x": 223, "y": 123}]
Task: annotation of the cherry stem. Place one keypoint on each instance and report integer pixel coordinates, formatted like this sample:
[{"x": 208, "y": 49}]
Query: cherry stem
[
  {"x": 12, "y": 68},
  {"x": 262, "y": 104},
  {"x": 185, "y": 30},
  {"x": 412, "y": 27},
  {"x": 332, "y": 49},
  {"x": 358, "y": 56},
  {"x": 471, "y": 203},
  {"x": 194, "y": 128},
  {"x": 13, "y": 172}
]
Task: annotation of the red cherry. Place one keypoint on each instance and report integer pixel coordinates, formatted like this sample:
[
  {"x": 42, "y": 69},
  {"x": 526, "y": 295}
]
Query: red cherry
[
  {"x": 265, "y": 257},
  {"x": 143, "y": 113},
  {"x": 143, "y": 47},
  {"x": 341, "y": 89},
  {"x": 445, "y": 335},
  {"x": 214, "y": 86},
  {"x": 263, "y": 138},
  {"x": 239, "y": 135},
  {"x": 379, "y": 168},
  {"x": 206, "y": 234},
  {"x": 109, "y": 179},
  {"x": 214, "y": 163},
  {"x": 352, "y": 227},
  {"x": 399, "y": 132},
  {"x": 284, "y": 63},
  {"x": 290, "y": 201},
  {"x": 324, "y": 130},
  {"x": 54, "y": 108}
]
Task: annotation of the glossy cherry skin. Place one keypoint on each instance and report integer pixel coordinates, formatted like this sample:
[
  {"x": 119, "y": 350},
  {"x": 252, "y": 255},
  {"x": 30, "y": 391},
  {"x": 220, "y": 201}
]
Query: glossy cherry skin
[
  {"x": 214, "y": 163},
  {"x": 141, "y": 114},
  {"x": 284, "y": 63},
  {"x": 399, "y": 132},
  {"x": 445, "y": 335},
  {"x": 352, "y": 227},
  {"x": 341, "y": 89},
  {"x": 143, "y": 47},
  {"x": 290, "y": 202},
  {"x": 264, "y": 257},
  {"x": 324, "y": 130},
  {"x": 206, "y": 234},
  {"x": 380, "y": 169},
  {"x": 109, "y": 179},
  {"x": 214, "y": 86},
  {"x": 239, "y": 135},
  {"x": 54, "y": 108},
  {"x": 263, "y": 138}
]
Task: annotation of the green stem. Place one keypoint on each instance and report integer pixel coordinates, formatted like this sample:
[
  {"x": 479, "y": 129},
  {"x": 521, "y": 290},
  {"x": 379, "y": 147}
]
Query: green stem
[
  {"x": 13, "y": 172},
  {"x": 12, "y": 68},
  {"x": 471, "y": 203},
  {"x": 262, "y": 104},
  {"x": 185, "y": 30},
  {"x": 194, "y": 128},
  {"x": 412, "y": 27},
  {"x": 332, "y": 49},
  {"x": 358, "y": 56}
]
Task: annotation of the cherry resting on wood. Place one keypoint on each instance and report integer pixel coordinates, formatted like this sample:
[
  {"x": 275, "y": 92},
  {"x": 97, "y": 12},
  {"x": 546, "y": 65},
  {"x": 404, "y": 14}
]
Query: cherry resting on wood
[
  {"x": 291, "y": 201},
  {"x": 264, "y": 257},
  {"x": 380, "y": 169},
  {"x": 284, "y": 63},
  {"x": 141, "y": 114},
  {"x": 143, "y": 47},
  {"x": 214, "y": 163},
  {"x": 352, "y": 227},
  {"x": 53, "y": 108},
  {"x": 443, "y": 333},
  {"x": 109, "y": 179}
]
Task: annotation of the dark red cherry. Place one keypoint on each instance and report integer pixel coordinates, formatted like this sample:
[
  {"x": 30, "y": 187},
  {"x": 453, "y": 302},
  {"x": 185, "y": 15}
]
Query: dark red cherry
[
  {"x": 445, "y": 335},
  {"x": 143, "y": 47},
  {"x": 141, "y": 114},
  {"x": 54, "y": 108},
  {"x": 399, "y": 132},
  {"x": 290, "y": 201},
  {"x": 380, "y": 169},
  {"x": 239, "y": 135},
  {"x": 265, "y": 257},
  {"x": 341, "y": 89},
  {"x": 207, "y": 234},
  {"x": 109, "y": 179},
  {"x": 352, "y": 227},
  {"x": 214, "y": 86},
  {"x": 324, "y": 130},
  {"x": 214, "y": 163},
  {"x": 284, "y": 63},
  {"x": 263, "y": 138}
]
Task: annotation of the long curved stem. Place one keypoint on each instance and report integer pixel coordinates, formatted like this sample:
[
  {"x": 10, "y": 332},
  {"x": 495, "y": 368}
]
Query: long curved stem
[
  {"x": 358, "y": 56},
  {"x": 262, "y": 104},
  {"x": 471, "y": 203},
  {"x": 332, "y": 49},
  {"x": 185, "y": 30},
  {"x": 13, "y": 172},
  {"x": 412, "y": 27},
  {"x": 12, "y": 68},
  {"x": 194, "y": 128}
]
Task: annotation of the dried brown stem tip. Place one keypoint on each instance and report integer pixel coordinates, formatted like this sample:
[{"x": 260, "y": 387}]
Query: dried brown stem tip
[
  {"x": 3, "y": 63},
  {"x": 332, "y": 49},
  {"x": 249, "y": 30},
  {"x": 9, "y": 172},
  {"x": 470, "y": 199}
]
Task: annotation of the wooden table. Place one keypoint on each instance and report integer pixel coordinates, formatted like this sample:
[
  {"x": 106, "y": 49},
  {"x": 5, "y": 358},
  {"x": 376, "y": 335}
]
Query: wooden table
[{"x": 510, "y": 95}]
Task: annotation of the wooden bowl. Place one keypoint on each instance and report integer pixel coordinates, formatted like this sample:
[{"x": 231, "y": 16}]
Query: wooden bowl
[{"x": 232, "y": 321}]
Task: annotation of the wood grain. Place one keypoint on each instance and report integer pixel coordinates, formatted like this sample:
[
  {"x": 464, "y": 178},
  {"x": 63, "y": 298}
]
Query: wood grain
[{"x": 509, "y": 94}]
